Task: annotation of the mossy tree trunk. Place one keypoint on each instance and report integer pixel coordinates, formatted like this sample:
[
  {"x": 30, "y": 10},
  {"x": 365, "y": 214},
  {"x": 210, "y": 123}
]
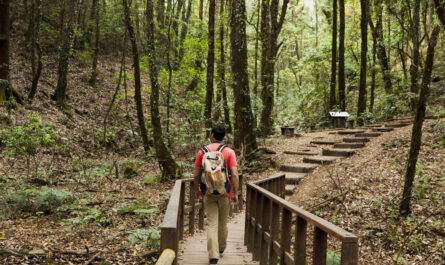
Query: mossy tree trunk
[
  {"x": 440, "y": 10},
  {"x": 245, "y": 138},
  {"x": 168, "y": 166},
  {"x": 361, "y": 105},
  {"x": 414, "y": 68},
  {"x": 4, "y": 50},
  {"x": 341, "y": 59},
  {"x": 333, "y": 84},
  {"x": 137, "y": 77},
  {"x": 416, "y": 136},
  {"x": 210, "y": 69},
  {"x": 184, "y": 29}
]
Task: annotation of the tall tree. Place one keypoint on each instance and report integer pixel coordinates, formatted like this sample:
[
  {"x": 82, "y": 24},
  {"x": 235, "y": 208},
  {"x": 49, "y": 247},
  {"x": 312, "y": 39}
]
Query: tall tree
[
  {"x": 4, "y": 50},
  {"x": 271, "y": 26},
  {"x": 361, "y": 107},
  {"x": 210, "y": 68},
  {"x": 245, "y": 138},
  {"x": 160, "y": 10},
  {"x": 36, "y": 49},
  {"x": 184, "y": 29},
  {"x": 414, "y": 68},
  {"x": 168, "y": 166},
  {"x": 332, "y": 97},
  {"x": 341, "y": 59},
  {"x": 440, "y": 11},
  {"x": 201, "y": 9},
  {"x": 137, "y": 76},
  {"x": 94, "y": 70},
  {"x": 64, "y": 56},
  {"x": 416, "y": 136}
]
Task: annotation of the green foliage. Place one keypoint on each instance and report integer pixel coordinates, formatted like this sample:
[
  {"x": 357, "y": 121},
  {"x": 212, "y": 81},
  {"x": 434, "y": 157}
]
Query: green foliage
[
  {"x": 333, "y": 258},
  {"x": 86, "y": 215},
  {"x": 149, "y": 237},
  {"x": 130, "y": 167},
  {"x": 140, "y": 209},
  {"x": 150, "y": 179},
  {"x": 49, "y": 200}
]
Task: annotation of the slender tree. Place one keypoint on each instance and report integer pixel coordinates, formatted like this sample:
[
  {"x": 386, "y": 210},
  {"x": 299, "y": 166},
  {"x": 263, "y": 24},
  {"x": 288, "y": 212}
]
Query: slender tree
[
  {"x": 210, "y": 68},
  {"x": 137, "y": 76},
  {"x": 271, "y": 25},
  {"x": 160, "y": 10},
  {"x": 440, "y": 10},
  {"x": 341, "y": 59},
  {"x": 38, "y": 50},
  {"x": 64, "y": 56},
  {"x": 168, "y": 166},
  {"x": 245, "y": 138},
  {"x": 94, "y": 70},
  {"x": 414, "y": 69},
  {"x": 4, "y": 50},
  {"x": 332, "y": 97},
  {"x": 184, "y": 29},
  {"x": 361, "y": 107},
  {"x": 416, "y": 136}
]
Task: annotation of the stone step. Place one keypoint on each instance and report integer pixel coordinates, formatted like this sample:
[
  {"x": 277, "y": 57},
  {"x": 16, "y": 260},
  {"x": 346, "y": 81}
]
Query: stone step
[
  {"x": 338, "y": 152},
  {"x": 369, "y": 134},
  {"x": 298, "y": 168},
  {"x": 355, "y": 140},
  {"x": 289, "y": 189},
  {"x": 293, "y": 178},
  {"x": 307, "y": 153},
  {"x": 349, "y": 145},
  {"x": 322, "y": 160},
  {"x": 397, "y": 125},
  {"x": 351, "y": 132},
  {"x": 382, "y": 129},
  {"x": 327, "y": 142}
]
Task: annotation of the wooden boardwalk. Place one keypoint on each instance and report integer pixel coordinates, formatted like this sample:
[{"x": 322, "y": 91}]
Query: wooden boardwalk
[{"x": 193, "y": 250}]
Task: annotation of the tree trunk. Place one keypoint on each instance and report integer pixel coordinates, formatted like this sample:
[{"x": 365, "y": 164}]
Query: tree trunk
[
  {"x": 440, "y": 11},
  {"x": 245, "y": 138},
  {"x": 414, "y": 69},
  {"x": 210, "y": 69},
  {"x": 185, "y": 22},
  {"x": 381, "y": 50},
  {"x": 64, "y": 57},
  {"x": 316, "y": 22},
  {"x": 4, "y": 50},
  {"x": 137, "y": 77},
  {"x": 373, "y": 72},
  {"x": 332, "y": 97},
  {"x": 94, "y": 70},
  {"x": 416, "y": 137},
  {"x": 361, "y": 107},
  {"x": 160, "y": 10},
  {"x": 255, "y": 72},
  {"x": 341, "y": 59},
  {"x": 270, "y": 30},
  {"x": 166, "y": 161},
  {"x": 201, "y": 9},
  {"x": 36, "y": 40}
]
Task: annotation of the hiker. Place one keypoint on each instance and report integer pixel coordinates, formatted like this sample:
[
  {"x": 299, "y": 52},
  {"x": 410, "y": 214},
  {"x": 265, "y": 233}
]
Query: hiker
[{"x": 213, "y": 164}]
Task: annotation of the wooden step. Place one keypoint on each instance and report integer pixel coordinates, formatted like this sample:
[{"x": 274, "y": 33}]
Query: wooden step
[
  {"x": 382, "y": 129},
  {"x": 289, "y": 189},
  {"x": 298, "y": 168},
  {"x": 308, "y": 153},
  {"x": 349, "y": 145},
  {"x": 351, "y": 132},
  {"x": 355, "y": 140},
  {"x": 293, "y": 178},
  {"x": 397, "y": 125},
  {"x": 322, "y": 160},
  {"x": 323, "y": 142},
  {"x": 338, "y": 152},
  {"x": 369, "y": 134}
]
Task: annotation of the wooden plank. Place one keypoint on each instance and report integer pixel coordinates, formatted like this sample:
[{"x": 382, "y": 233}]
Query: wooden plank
[
  {"x": 349, "y": 253},
  {"x": 285, "y": 233},
  {"x": 251, "y": 231},
  {"x": 274, "y": 230},
  {"x": 181, "y": 211},
  {"x": 300, "y": 242},
  {"x": 258, "y": 234},
  {"x": 246, "y": 220},
  {"x": 266, "y": 211},
  {"x": 191, "y": 213},
  {"x": 320, "y": 247}
]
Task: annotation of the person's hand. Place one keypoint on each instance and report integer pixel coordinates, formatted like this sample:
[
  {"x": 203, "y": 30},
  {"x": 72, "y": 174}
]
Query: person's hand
[
  {"x": 199, "y": 195},
  {"x": 234, "y": 199}
]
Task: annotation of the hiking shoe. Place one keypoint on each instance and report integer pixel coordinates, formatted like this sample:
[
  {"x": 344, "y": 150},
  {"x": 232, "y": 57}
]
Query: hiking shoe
[
  {"x": 221, "y": 252},
  {"x": 213, "y": 261}
]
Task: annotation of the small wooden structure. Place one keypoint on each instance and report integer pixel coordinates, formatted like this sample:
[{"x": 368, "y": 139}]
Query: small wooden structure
[
  {"x": 338, "y": 119},
  {"x": 288, "y": 131}
]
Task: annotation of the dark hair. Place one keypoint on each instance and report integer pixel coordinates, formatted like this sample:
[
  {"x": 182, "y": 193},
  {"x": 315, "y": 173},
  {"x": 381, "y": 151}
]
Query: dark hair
[{"x": 219, "y": 132}]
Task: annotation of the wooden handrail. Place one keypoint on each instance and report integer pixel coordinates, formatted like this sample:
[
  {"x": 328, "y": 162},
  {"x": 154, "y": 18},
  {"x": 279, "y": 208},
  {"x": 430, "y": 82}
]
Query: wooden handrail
[
  {"x": 172, "y": 228},
  {"x": 268, "y": 237}
]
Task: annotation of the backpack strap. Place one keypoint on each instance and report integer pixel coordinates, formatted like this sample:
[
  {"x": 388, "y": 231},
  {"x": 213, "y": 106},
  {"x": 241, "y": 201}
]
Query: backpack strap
[
  {"x": 205, "y": 149},
  {"x": 221, "y": 147}
]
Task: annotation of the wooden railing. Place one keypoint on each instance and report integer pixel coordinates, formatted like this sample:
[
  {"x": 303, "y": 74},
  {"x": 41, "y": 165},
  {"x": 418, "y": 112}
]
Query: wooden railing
[
  {"x": 268, "y": 228},
  {"x": 183, "y": 202}
]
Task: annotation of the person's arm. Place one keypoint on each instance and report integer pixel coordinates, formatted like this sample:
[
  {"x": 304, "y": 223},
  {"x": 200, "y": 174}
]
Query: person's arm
[
  {"x": 196, "y": 174},
  {"x": 235, "y": 184}
]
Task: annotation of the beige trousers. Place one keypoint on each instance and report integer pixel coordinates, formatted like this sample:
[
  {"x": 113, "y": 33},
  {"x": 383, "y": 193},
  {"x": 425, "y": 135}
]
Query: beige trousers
[{"x": 217, "y": 211}]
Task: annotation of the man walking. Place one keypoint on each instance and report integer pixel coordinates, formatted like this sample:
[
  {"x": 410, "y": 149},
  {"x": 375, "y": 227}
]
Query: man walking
[{"x": 216, "y": 200}]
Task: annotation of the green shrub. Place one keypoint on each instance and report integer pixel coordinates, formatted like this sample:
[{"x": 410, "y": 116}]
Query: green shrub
[
  {"x": 149, "y": 237},
  {"x": 48, "y": 200}
]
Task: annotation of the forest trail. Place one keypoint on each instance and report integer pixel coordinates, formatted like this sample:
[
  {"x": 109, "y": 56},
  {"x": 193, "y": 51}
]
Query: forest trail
[{"x": 193, "y": 250}]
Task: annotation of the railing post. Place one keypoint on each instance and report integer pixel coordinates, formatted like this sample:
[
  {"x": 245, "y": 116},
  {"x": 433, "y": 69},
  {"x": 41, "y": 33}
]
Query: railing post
[
  {"x": 192, "y": 208},
  {"x": 252, "y": 206},
  {"x": 258, "y": 223},
  {"x": 240, "y": 193},
  {"x": 300, "y": 241},
  {"x": 274, "y": 231},
  {"x": 349, "y": 252},
  {"x": 320, "y": 247},
  {"x": 282, "y": 186},
  {"x": 266, "y": 214},
  {"x": 285, "y": 234},
  {"x": 181, "y": 211},
  {"x": 247, "y": 217},
  {"x": 169, "y": 239}
]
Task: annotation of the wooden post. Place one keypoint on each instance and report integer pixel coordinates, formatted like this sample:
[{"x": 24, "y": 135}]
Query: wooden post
[
  {"x": 240, "y": 193},
  {"x": 252, "y": 229},
  {"x": 274, "y": 230},
  {"x": 300, "y": 242},
  {"x": 192, "y": 208},
  {"x": 181, "y": 211},
  {"x": 247, "y": 217},
  {"x": 265, "y": 246},
  {"x": 320, "y": 247},
  {"x": 169, "y": 240},
  {"x": 258, "y": 231},
  {"x": 349, "y": 253},
  {"x": 285, "y": 234},
  {"x": 283, "y": 187}
]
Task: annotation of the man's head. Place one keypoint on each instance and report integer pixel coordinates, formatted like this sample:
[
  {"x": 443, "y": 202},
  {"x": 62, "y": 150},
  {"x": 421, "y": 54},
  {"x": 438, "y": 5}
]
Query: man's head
[{"x": 218, "y": 132}]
